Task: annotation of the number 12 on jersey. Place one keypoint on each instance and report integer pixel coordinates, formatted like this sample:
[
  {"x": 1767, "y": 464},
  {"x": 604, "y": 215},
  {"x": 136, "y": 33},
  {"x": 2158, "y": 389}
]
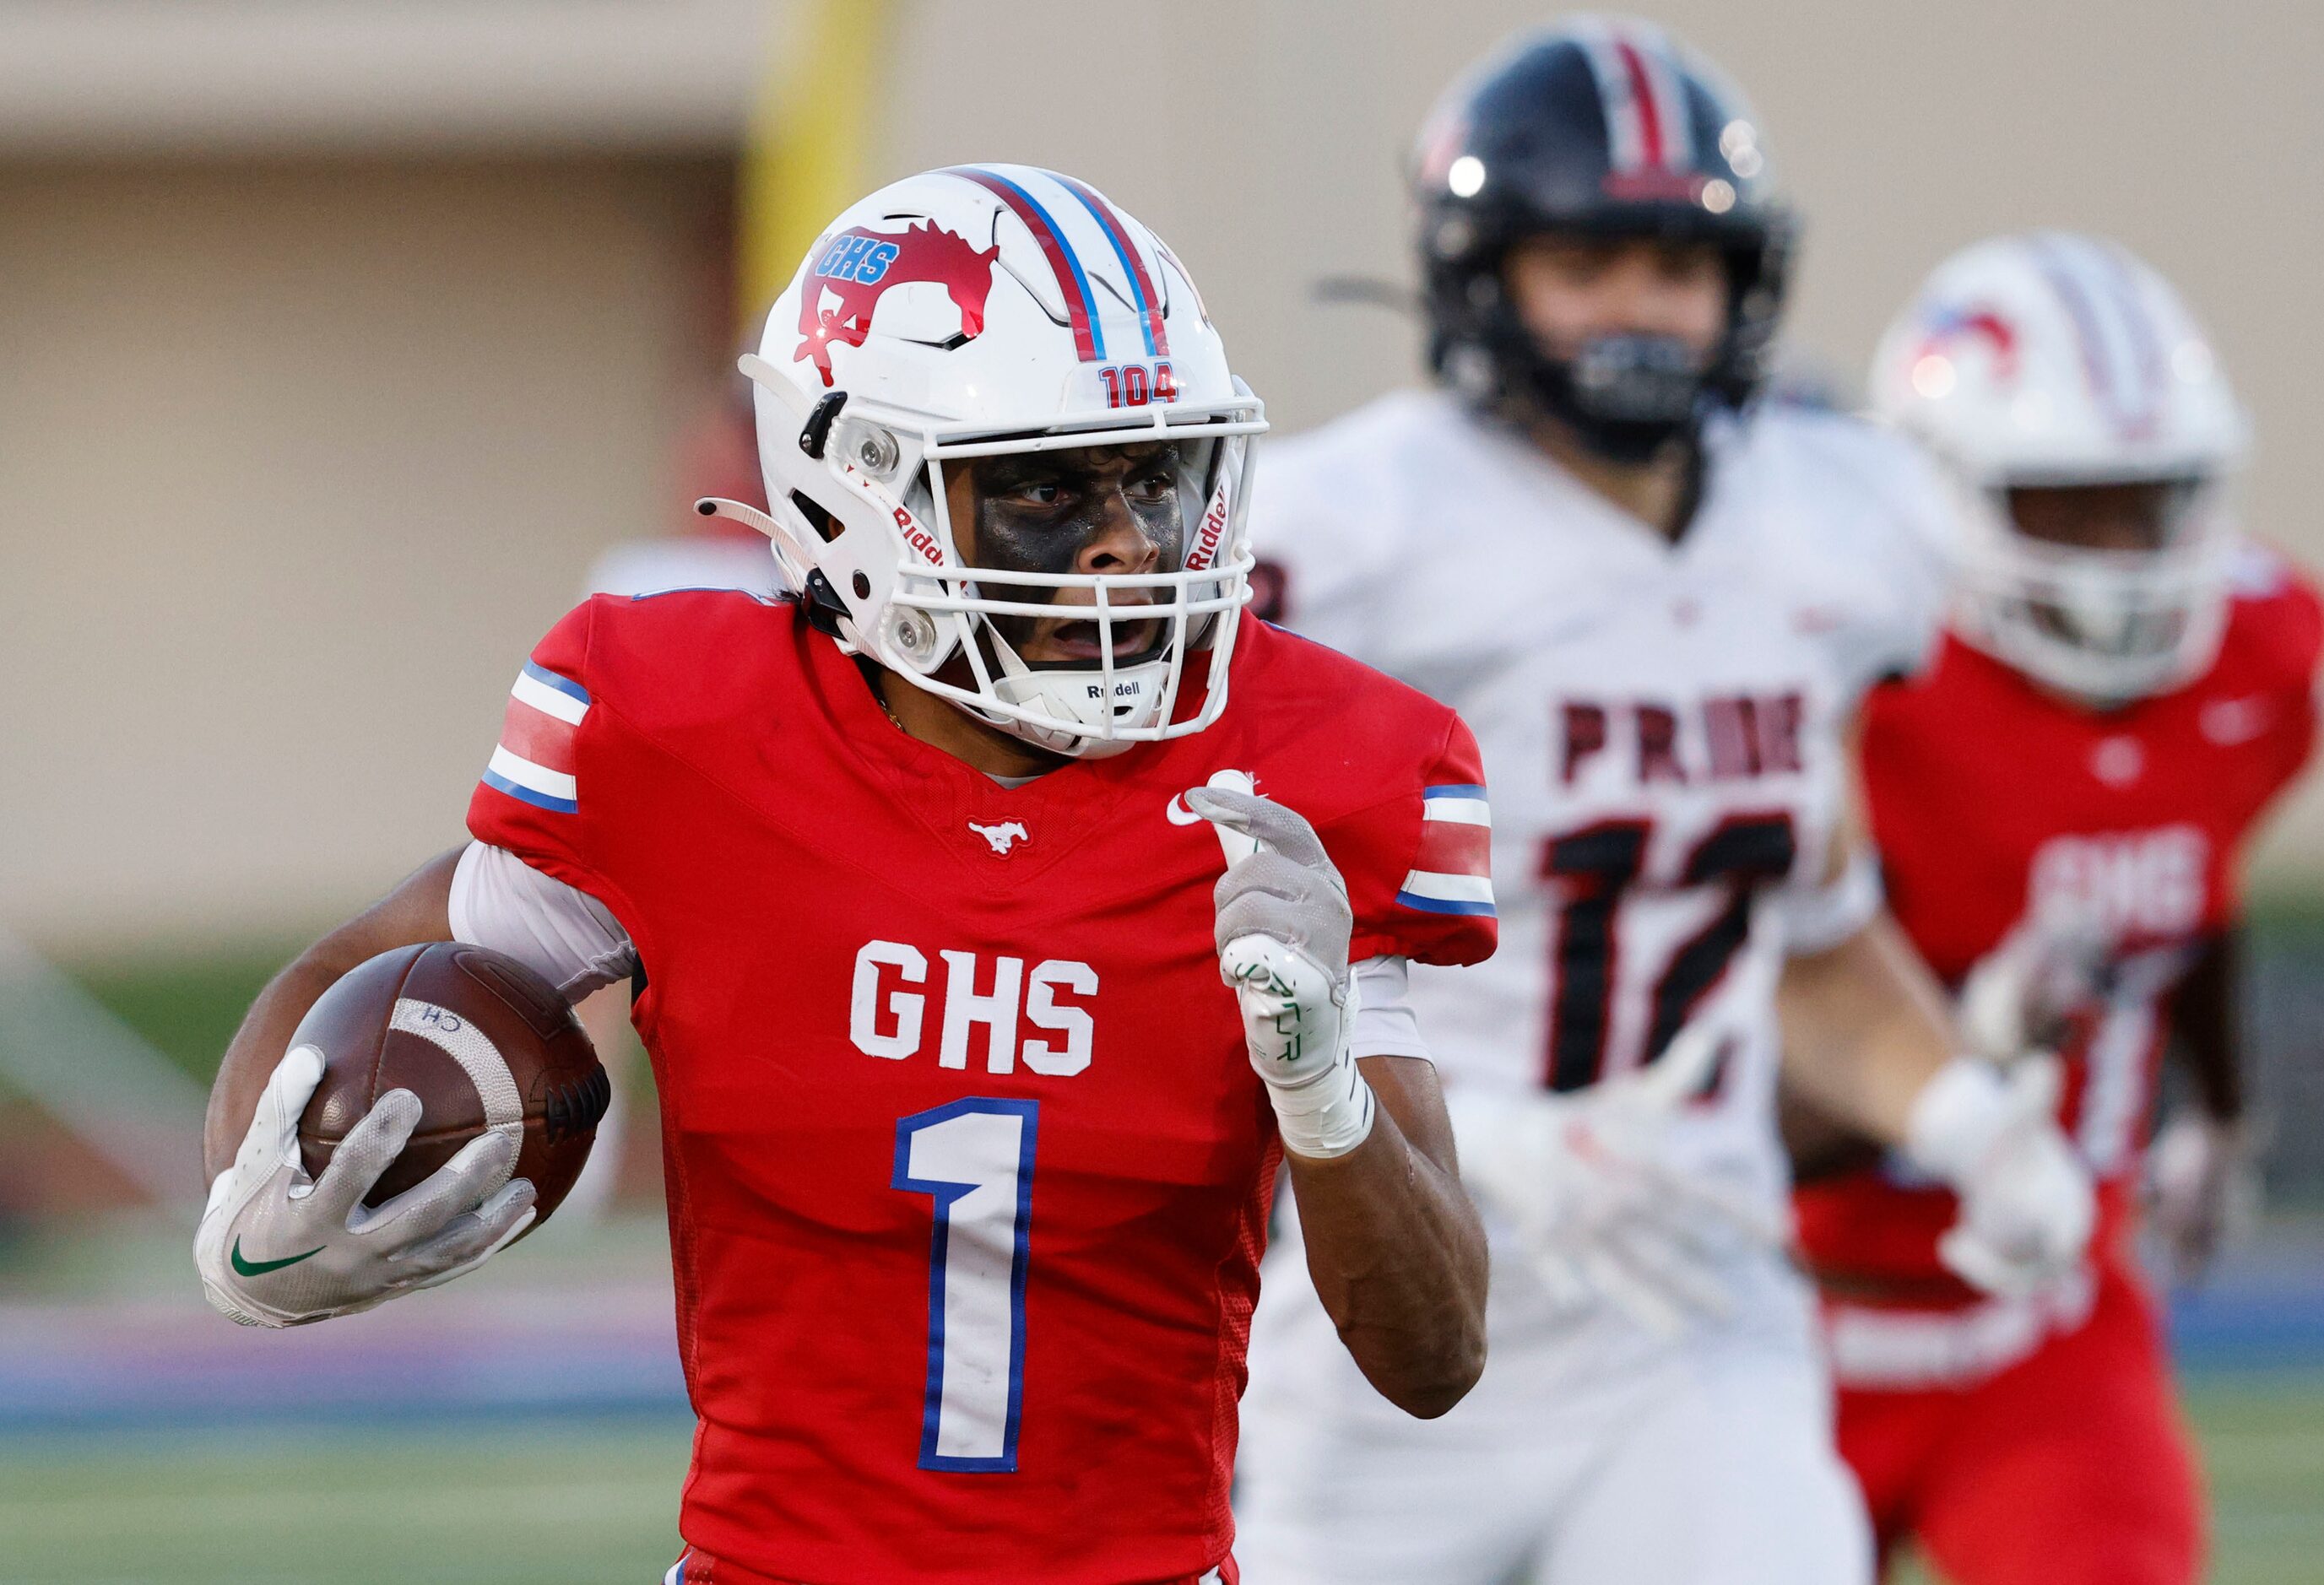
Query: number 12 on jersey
[
  {"x": 974, "y": 1158},
  {"x": 1598, "y": 866}
]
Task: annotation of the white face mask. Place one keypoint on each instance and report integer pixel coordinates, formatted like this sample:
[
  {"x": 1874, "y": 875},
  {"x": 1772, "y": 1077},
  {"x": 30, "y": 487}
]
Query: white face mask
[
  {"x": 2108, "y": 626},
  {"x": 1146, "y": 625},
  {"x": 884, "y": 553}
]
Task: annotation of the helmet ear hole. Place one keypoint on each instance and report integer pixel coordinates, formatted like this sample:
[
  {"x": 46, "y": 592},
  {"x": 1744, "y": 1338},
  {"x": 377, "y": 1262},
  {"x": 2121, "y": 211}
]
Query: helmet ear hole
[{"x": 820, "y": 521}]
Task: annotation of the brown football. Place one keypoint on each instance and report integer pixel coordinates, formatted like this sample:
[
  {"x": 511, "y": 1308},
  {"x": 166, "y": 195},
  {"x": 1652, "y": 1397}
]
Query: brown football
[{"x": 482, "y": 1040}]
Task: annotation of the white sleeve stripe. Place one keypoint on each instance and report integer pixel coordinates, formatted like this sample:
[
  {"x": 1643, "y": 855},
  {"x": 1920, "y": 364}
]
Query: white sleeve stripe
[
  {"x": 548, "y": 700},
  {"x": 1459, "y": 811},
  {"x": 540, "y": 779},
  {"x": 1449, "y": 889}
]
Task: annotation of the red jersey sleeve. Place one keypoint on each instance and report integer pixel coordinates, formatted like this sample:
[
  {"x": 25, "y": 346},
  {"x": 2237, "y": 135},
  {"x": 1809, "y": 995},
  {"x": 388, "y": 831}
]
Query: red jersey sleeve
[
  {"x": 534, "y": 796},
  {"x": 2260, "y": 713},
  {"x": 2295, "y": 624},
  {"x": 1419, "y": 866}
]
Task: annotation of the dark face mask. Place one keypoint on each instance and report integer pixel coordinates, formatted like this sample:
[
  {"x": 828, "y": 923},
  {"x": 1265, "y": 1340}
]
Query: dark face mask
[{"x": 1624, "y": 396}]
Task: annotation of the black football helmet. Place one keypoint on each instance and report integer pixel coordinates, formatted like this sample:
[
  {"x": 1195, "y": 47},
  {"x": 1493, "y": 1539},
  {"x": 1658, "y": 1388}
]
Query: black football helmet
[{"x": 1597, "y": 127}]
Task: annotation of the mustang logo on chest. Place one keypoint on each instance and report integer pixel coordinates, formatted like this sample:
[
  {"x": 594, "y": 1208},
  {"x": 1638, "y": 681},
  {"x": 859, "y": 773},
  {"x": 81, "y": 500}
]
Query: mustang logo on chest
[{"x": 1007, "y": 835}]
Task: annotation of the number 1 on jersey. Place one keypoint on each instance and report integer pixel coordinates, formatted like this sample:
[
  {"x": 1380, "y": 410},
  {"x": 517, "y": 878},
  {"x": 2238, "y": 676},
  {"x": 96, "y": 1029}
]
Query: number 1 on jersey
[{"x": 975, "y": 1158}]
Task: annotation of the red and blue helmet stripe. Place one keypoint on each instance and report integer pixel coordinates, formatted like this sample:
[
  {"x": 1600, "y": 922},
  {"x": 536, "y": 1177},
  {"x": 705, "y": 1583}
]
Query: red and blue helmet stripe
[
  {"x": 2122, "y": 359},
  {"x": 1082, "y": 306},
  {"x": 1141, "y": 286}
]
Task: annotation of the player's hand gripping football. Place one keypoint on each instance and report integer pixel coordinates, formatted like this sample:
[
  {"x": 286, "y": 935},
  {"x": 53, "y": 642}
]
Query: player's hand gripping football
[
  {"x": 277, "y": 1247},
  {"x": 1600, "y": 1208},
  {"x": 1283, "y": 923},
  {"x": 2025, "y": 1198}
]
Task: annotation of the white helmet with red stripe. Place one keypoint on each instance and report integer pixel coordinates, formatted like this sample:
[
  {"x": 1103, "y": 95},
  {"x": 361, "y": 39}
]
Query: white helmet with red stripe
[
  {"x": 974, "y": 312},
  {"x": 2056, "y": 359}
]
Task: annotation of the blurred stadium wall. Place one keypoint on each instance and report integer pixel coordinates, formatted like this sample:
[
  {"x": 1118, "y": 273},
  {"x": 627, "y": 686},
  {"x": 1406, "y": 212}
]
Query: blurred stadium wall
[{"x": 339, "y": 339}]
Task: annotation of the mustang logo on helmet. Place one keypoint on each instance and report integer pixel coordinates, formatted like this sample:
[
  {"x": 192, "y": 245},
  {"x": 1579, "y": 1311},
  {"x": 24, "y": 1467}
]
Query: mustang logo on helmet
[
  {"x": 1948, "y": 327},
  {"x": 860, "y": 266}
]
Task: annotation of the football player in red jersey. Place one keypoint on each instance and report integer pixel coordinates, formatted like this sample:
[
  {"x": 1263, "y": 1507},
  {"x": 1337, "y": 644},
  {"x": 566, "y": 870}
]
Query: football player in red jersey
[
  {"x": 920, "y": 876},
  {"x": 2061, "y": 803}
]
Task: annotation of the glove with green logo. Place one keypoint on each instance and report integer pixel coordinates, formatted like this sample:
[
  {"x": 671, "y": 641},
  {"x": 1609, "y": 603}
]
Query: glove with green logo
[
  {"x": 1283, "y": 928},
  {"x": 277, "y": 1247}
]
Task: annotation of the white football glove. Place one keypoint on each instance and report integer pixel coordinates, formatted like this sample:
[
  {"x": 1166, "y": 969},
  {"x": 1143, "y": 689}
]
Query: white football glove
[
  {"x": 1600, "y": 1206},
  {"x": 1283, "y": 923},
  {"x": 2025, "y": 1197},
  {"x": 277, "y": 1247},
  {"x": 2204, "y": 1192}
]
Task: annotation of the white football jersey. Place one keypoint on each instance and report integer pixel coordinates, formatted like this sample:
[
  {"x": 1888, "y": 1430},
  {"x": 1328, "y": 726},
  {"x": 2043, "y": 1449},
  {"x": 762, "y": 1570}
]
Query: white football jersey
[{"x": 1663, "y": 725}]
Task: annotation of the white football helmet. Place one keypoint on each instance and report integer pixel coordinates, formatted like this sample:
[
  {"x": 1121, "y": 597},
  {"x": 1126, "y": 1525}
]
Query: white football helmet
[
  {"x": 972, "y": 312},
  {"x": 2053, "y": 359}
]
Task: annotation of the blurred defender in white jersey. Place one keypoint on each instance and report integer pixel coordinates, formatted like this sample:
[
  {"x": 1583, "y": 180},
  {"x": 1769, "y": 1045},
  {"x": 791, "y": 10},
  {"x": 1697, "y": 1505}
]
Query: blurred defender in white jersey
[{"x": 1658, "y": 606}]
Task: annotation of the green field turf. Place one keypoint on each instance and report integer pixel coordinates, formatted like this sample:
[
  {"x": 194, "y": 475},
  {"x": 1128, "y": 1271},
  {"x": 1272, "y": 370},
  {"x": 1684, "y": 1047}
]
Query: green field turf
[
  {"x": 554, "y": 1504},
  {"x": 580, "y": 1504}
]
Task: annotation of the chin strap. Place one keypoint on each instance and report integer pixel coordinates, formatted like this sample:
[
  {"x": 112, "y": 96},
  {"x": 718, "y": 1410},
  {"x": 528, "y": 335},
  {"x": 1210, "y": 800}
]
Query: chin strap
[
  {"x": 825, "y": 608},
  {"x": 797, "y": 565},
  {"x": 744, "y": 513}
]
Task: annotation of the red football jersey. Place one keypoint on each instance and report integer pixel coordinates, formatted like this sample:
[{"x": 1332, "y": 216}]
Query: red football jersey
[
  {"x": 1992, "y": 800},
  {"x": 968, "y": 1170}
]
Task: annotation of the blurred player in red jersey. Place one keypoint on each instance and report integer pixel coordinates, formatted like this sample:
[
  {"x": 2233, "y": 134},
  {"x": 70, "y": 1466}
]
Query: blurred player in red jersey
[
  {"x": 920, "y": 876},
  {"x": 2061, "y": 804}
]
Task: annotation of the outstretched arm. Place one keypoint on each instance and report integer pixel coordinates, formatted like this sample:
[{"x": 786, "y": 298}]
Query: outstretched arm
[
  {"x": 1868, "y": 1043},
  {"x": 1864, "y": 1030}
]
